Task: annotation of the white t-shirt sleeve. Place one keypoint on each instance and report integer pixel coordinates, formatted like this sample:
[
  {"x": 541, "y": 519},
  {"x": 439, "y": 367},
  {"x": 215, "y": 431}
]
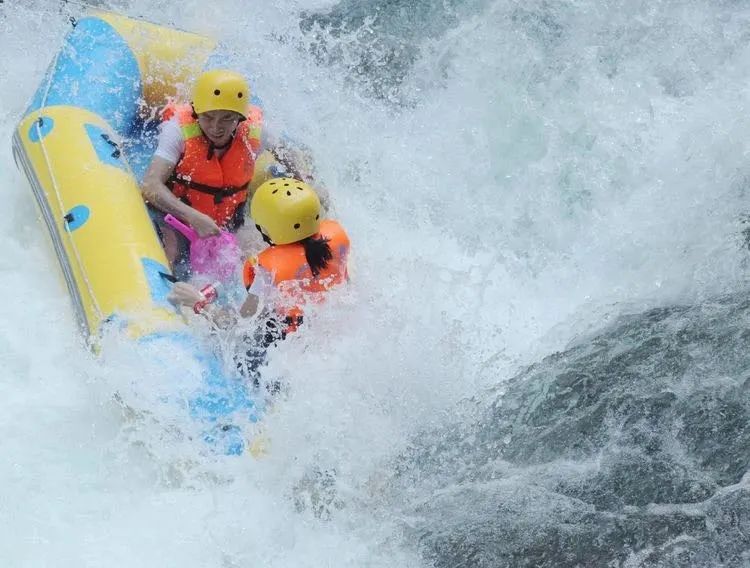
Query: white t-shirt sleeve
[{"x": 171, "y": 144}]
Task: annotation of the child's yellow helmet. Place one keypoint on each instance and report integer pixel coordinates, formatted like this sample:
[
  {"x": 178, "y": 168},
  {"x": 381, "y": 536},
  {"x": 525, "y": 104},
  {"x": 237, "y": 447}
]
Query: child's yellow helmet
[{"x": 286, "y": 210}]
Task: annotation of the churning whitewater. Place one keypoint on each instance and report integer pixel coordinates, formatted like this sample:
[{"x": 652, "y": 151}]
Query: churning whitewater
[{"x": 542, "y": 358}]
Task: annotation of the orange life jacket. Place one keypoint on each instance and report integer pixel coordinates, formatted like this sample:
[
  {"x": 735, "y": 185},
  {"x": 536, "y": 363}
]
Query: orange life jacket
[
  {"x": 212, "y": 185},
  {"x": 292, "y": 276}
]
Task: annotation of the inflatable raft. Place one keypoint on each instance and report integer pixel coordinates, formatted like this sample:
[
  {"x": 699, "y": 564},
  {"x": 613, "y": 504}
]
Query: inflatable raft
[{"x": 84, "y": 141}]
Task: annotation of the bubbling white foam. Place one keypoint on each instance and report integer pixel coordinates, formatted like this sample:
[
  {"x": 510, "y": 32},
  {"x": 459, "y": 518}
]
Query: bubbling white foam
[{"x": 559, "y": 162}]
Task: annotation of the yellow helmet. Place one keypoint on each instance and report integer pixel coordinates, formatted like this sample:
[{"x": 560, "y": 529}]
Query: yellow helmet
[
  {"x": 286, "y": 210},
  {"x": 221, "y": 90}
]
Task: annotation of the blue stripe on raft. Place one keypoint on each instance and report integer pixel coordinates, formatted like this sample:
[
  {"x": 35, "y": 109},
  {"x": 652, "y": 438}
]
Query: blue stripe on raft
[
  {"x": 96, "y": 70},
  {"x": 76, "y": 217},
  {"x": 107, "y": 152},
  {"x": 140, "y": 147},
  {"x": 158, "y": 285},
  {"x": 220, "y": 401},
  {"x": 226, "y": 439},
  {"x": 178, "y": 337},
  {"x": 40, "y": 128}
]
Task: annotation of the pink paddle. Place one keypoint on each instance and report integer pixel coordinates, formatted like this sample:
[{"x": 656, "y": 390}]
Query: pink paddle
[{"x": 217, "y": 256}]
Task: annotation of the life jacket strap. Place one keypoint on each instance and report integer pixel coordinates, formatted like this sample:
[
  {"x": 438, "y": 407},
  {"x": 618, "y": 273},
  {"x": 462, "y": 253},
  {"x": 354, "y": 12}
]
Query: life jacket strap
[{"x": 219, "y": 193}]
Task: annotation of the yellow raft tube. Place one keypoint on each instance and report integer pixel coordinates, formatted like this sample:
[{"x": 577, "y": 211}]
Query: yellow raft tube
[{"x": 95, "y": 107}]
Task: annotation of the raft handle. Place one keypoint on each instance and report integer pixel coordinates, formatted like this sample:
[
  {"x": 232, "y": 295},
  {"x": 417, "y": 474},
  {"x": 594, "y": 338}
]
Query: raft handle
[{"x": 116, "y": 153}]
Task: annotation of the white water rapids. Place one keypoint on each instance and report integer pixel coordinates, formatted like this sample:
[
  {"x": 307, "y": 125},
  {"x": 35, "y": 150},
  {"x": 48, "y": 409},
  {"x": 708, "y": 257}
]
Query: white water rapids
[{"x": 554, "y": 165}]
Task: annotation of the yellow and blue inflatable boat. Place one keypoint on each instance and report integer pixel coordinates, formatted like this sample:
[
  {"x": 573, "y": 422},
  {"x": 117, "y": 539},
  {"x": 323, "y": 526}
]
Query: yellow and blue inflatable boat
[{"x": 84, "y": 141}]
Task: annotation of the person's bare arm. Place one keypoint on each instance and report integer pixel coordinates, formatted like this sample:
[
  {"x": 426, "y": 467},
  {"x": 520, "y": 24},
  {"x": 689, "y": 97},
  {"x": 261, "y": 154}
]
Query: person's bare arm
[
  {"x": 156, "y": 192},
  {"x": 187, "y": 295},
  {"x": 184, "y": 294}
]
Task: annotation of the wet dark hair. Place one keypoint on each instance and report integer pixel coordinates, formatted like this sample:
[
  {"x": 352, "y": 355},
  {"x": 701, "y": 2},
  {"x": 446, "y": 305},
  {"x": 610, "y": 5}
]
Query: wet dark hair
[{"x": 317, "y": 252}]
